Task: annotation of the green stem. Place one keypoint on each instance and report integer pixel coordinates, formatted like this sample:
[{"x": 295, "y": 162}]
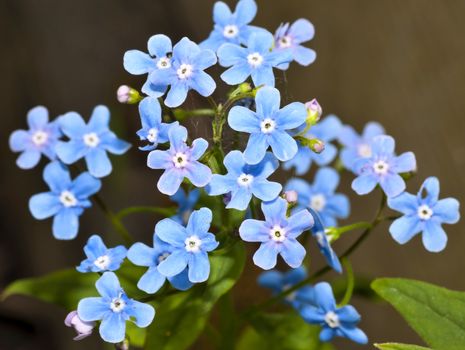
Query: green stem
[
  {"x": 145, "y": 209},
  {"x": 335, "y": 233},
  {"x": 350, "y": 282}
]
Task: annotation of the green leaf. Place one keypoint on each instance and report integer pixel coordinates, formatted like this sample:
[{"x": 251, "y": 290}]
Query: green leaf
[
  {"x": 397, "y": 346},
  {"x": 286, "y": 331},
  {"x": 435, "y": 313},
  {"x": 182, "y": 317}
]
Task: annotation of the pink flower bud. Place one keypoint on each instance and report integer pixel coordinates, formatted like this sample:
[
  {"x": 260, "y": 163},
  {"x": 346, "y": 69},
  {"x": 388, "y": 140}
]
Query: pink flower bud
[
  {"x": 82, "y": 328},
  {"x": 291, "y": 197},
  {"x": 317, "y": 145},
  {"x": 126, "y": 94},
  {"x": 314, "y": 111}
]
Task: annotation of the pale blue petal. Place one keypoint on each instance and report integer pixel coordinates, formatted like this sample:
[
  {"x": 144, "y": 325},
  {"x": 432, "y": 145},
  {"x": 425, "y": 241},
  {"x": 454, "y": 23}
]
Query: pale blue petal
[
  {"x": 312, "y": 315},
  {"x": 231, "y": 55},
  {"x": 181, "y": 281},
  {"x": 240, "y": 198},
  {"x": 199, "y": 146},
  {"x": 291, "y": 116},
  {"x": 92, "y": 309},
  {"x": 108, "y": 285},
  {"x": 338, "y": 205},
  {"x": 205, "y": 59},
  {"x": 260, "y": 42},
  {"x": 19, "y": 140},
  {"x": 327, "y": 156},
  {"x": 159, "y": 45},
  {"x": 364, "y": 184},
  {"x": 372, "y": 129},
  {"x": 199, "y": 174},
  {"x": 283, "y": 145},
  {"x": 57, "y": 176},
  {"x": 176, "y": 95},
  {"x": 185, "y": 49},
  {"x": 447, "y": 210},
  {"x": 256, "y": 148},
  {"x": 324, "y": 296},
  {"x": 275, "y": 211},
  {"x": 221, "y": 13},
  {"x": 234, "y": 162},
  {"x": 28, "y": 159},
  {"x": 348, "y": 314},
  {"x": 113, "y": 328},
  {"x": 199, "y": 267},
  {"x": 266, "y": 190},
  {"x": 405, "y": 228},
  {"x": 174, "y": 264},
  {"x": 159, "y": 160},
  {"x": 65, "y": 224},
  {"x": 298, "y": 223},
  {"x": 430, "y": 190},
  {"x": 44, "y": 205},
  {"x": 171, "y": 232},
  {"x": 302, "y": 30},
  {"x": 141, "y": 312},
  {"x": 85, "y": 185},
  {"x": 303, "y": 55},
  {"x": 98, "y": 163},
  {"x": 115, "y": 145},
  {"x": 293, "y": 252},
  {"x": 209, "y": 242},
  {"x": 434, "y": 237},
  {"x": 37, "y": 117},
  {"x": 237, "y": 74},
  {"x": 220, "y": 184},
  {"x": 71, "y": 151},
  {"x": 142, "y": 255},
  {"x": 245, "y": 11},
  {"x": 170, "y": 181},
  {"x": 326, "y": 181},
  {"x": 203, "y": 83},
  {"x": 266, "y": 256},
  {"x": 271, "y": 279},
  {"x": 150, "y": 112},
  {"x": 138, "y": 62},
  {"x": 95, "y": 247},
  {"x": 405, "y": 162},
  {"x": 405, "y": 203},
  {"x": 392, "y": 185},
  {"x": 266, "y": 167},
  {"x": 244, "y": 120},
  {"x": 327, "y": 334},
  {"x": 383, "y": 144},
  {"x": 199, "y": 221},
  {"x": 355, "y": 334},
  {"x": 263, "y": 76},
  {"x": 178, "y": 136},
  {"x": 72, "y": 125},
  {"x": 252, "y": 230},
  {"x": 328, "y": 129}
]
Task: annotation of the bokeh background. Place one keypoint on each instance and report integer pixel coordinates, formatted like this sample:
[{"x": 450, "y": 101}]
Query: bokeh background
[{"x": 401, "y": 62}]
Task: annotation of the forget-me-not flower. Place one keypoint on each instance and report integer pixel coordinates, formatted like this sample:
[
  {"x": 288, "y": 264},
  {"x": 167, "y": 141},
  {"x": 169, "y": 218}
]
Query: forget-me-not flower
[
  {"x": 256, "y": 60},
  {"x": 357, "y": 146},
  {"x": 180, "y": 161},
  {"x": 268, "y": 126},
  {"x": 191, "y": 245},
  {"x": 320, "y": 196},
  {"x": 41, "y": 138},
  {"x": 383, "y": 167},
  {"x": 83, "y": 329},
  {"x": 66, "y": 200},
  {"x": 113, "y": 309},
  {"x": 335, "y": 321},
  {"x": 91, "y": 141},
  {"x": 277, "y": 234},
  {"x": 100, "y": 258},
  {"x": 244, "y": 180},
  {"x": 186, "y": 204},
  {"x": 186, "y": 72},
  {"x": 152, "y": 280},
  {"x": 424, "y": 213}
]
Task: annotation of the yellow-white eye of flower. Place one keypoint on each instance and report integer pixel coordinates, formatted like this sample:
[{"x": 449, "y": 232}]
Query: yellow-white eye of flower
[
  {"x": 255, "y": 59},
  {"x": 91, "y": 139}
]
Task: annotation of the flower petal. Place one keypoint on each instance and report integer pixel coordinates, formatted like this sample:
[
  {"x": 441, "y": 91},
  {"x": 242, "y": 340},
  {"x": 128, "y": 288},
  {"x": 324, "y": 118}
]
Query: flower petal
[
  {"x": 405, "y": 203},
  {"x": 28, "y": 159},
  {"x": 291, "y": 116},
  {"x": 85, "y": 185},
  {"x": 108, "y": 285},
  {"x": 159, "y": 160},
  {"x": 252, "y": 230},
  {"x": 302, "y": 30},
  {"x": 293, "y": 253},
  {"x": 159, "y": 45},
  {"x": 57, "y": 177},
  {"x": 19, "y": 140},
  {"x": 364, "y": 184},
  {"x": 98, "y": 163},
  {"x": 72, "y": 125},
  {"x": 244, "y": 120},
  {"x": 434, "y": 237},
  {"x": 266, "y": 256},
  {"x": 138, "y": 62},
  {"x": 142, "y": 255},
  {"x": 203, "y": 83},
  {"x": 199, "y": 221},
  {"x": 65, "y": 224},
  {"x": 199, "y": 174},
  {"x": 199, "y": 267},
  {"x": 266, "y": 190},
  {"x": 92, "y": 309},
  {"x": 71, "y": 151},
  {"x": 447, "y": 210},
  {"x": 199, "y": 146},
  {"x": 174, "y": 264},
  {"x": 176, "y": 95},
  {"x": 171, "y": 232},
  {"x": 274, "y": 211},
  {"x": 237, "y": 74},
  {"x": 221, "y": 13},
  {"x": 44, "y": 205},
  {"x": 240, "y": 198},
  {"x": 283, "y": 145},
  {"x": 143, "y": 313},
  {"x": 113, "y": 328},
  {"x": 245, "y": 11},
  {"x": 405, "y": 162},
  {"x": 405, "y": 228},
  {"x": 232, "y": 55},
  {"x": 392, "y": 185}
]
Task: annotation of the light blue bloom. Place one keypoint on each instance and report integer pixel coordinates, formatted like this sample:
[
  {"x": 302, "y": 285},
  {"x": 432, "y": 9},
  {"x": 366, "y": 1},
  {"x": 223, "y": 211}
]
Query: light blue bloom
[
  {"x": 186, "y": 204},
  {"x": 231, "y": 27},
  {"x": 159, "y": 58},
  {"x": 91, "y": 141},
  {"x": 180, "y": 161},
  {"x": 424, "y": 213},
  {"x": 320, "y": 196},
  {"x": 327, "y": 130},
  {"x": 357, "y": 146},
  {"x": 277, "y": 234},
  {"x": 244, "y": 180},
  {"x": 151, "y": 281},
  {"x": 186, "y": 72},
  {"x": 66, "y": 200},
  {"x": 256, "y": 60},
  {"x": 153, "y": 130},
  {"x": 291, "y": 37},
  {"x": 383, "y": 168},
  {"x": 268, "y": 125},
  {"x": 190, "y": 244},
  {"x": 113, "y": 309},
  {"x": 41, "y": 138},
  {"x": 100, "y": 258}
]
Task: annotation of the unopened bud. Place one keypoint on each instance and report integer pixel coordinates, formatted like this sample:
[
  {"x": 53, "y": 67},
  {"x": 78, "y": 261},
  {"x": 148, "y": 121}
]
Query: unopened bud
[
  {"x": 124, "y": 345},
  {"x": 314, "y": 111},
  {"x": 291, "y": 197},
  {"x": 127, "y": 94},
  {"x": 82, "y": 328},
  {"x": 245, "y": 87},
  {"x": 316, "y": 145}
]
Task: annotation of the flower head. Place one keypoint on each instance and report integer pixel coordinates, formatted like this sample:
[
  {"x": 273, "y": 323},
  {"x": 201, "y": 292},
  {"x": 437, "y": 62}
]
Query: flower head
[
  {"x": 244, "y": 180},
  {"x": 277, "y": 234},
  {"x": 268, "y": 125},
  {"x": 82, "y": 328},
  {"x": 100, "y": 258},
  {"x": 113, "y": 309},
  {"x": 66, "y": 200},
  {"x": 335, "y": 321},
  {"x": 186, "y": 204},
  {"x": 180, "y": 161},
  {"x": 383, "y": 167},
  {"x": 41, "y": 138},
  {"x": 91, "y": 141},
  {"x": 424, "y": 213},
  {"x": 190, "y": 245}
]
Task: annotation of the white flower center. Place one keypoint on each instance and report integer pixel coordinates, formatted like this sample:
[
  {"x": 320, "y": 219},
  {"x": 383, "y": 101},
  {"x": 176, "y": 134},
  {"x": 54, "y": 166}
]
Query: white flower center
[
  {"x": 39, "y": 137},
  {"x": 267, "y": 125},
  {"x": 193, "y": 244},
  {"x": 230, "y": 31},
  {"x": 332, "y": 319},
  {"x": 364, "y": 150},
  {"x": 163, "y": 256},
  {"x": 425, "y": 212},
  {"x": 255, "y": 59},
  {"x": 117, "y": 305},
  {"x": 152, "y": 135},
  {"x": 285, "y": 42},
  {"x": 184, "y": 71},
  {"x": 318, "y": 202},
  {"x": 277, "y": 233},
  {"x": 245, "y": 180},
  {"x": 68, "y": 199},
  {"x": 381, "y": 167},
  {"x": 180, "y": 160},
  {"x": 102, "y": 262},
  {"x": 164, "y": 63},
  {"x": 91, "y": 139}
]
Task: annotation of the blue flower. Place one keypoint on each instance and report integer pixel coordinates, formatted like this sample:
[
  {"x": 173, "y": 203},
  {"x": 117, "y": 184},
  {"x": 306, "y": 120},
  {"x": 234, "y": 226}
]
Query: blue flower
[
  {"x": 327, "y": 130},
  {"x": 289, "y": 38},
  {"x": 244, "y": 180},
  {"x": 320, "y": 196},
  {"x": 231, "y": 27},
  {"x": 268, "y": 125},
  {"x": 424, "y": 213},
  {"x": 100, "y": 258},
  {"x": 159, "y": 58},
  {"x": 186, "y": 204},
  {"x": 41, "y": 138},
  {"x": 180, "y": 161},
  {"x": 277, "y": 234},
  {"x": 91, "y": 141},
  {"x": 151, "y": 281},
  {"x": 335, "y": 321},
  {"x": 357, "y": 146},
  {"x": 153, "y": 130},
  {"x": 66, "y": 200},
  {"x": 114, "y": 308},
  {"x": 186, "y": 72},
  {"x": 383, "y": 168},
  {"x": 190, "y": 244},
  {"x": 256, "y": 60}
]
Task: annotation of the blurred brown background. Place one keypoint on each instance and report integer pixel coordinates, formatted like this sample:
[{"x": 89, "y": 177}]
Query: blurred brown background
[{"x": 401, "y": 62}]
